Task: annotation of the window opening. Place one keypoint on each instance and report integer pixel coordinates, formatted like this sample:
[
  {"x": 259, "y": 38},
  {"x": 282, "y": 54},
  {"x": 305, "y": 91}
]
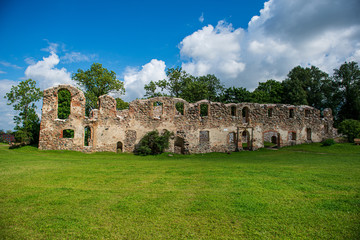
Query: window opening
[
  {"x": 179, "y": 108},
  {"x": 87, "y": 137},
  {"x": 158, "y": 109},
  {"x": 245, "y": 139},
  {"x": 245, "y": 114},
  {"x": 308, "y": 134},
  {"x": 64, "y": 102},
  {"x": 204, "y": 110},
  {"x": 293, "y": 136},
  {"x": 204, "y": 136},
  {"x": 68, "y": 133},
  {"x": 307, "y": 113},
  {"x": 270, "y": 112},
  {"x": 233, "y": 111},
  {"x": 291, "y": 113}
]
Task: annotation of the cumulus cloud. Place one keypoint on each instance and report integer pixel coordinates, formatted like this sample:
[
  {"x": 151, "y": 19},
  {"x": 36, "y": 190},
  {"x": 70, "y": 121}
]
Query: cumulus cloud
[
  {"x": 46, "y": 74},
  {"x": 324, "y": 33},
  {"x": 135, "y": 79},
  {"x": 213, "y": 50}
]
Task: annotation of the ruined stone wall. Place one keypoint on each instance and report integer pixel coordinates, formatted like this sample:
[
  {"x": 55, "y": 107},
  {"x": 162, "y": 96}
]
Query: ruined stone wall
[{"x": 216, "y": 128}]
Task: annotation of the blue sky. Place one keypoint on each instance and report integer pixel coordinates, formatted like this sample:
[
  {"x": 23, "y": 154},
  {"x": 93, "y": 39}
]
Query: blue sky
[{"x": 241, "y": 42}]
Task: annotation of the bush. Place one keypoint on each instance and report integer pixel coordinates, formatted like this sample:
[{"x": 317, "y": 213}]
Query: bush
[
  {"x": 328, "y": 142},
  {"x": 350, "y": 128},
  {"x": 153, "y": 143}
]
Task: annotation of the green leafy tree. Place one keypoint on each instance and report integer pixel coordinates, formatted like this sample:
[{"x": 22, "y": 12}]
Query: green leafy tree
[
  {"x": 23, "y": 98},
  {"x": 294, "y": 85},
  {"x": 121, "y": 104},
  {"x": 151, "y": 90},
  {"x": 347, "y": 78},
  {"x": 235, "y": 95},
  {"x": 97, "y": 81},
  {"x": 270, "y": 91},
  {"x": 350, "y": 128},
  {"x": 183, "y": 85},
  {"x": 307, "y": 86}
]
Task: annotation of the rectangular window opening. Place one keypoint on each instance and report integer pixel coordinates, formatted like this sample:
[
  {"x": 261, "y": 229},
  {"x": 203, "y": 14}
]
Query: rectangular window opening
[
  {"x": 204, "y": 110},
  {"x": 204, "y": 136}
]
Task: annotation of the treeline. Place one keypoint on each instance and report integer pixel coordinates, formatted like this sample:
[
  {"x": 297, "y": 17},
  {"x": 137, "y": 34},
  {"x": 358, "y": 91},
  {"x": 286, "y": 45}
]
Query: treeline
[{"x": 303, "y": 86}]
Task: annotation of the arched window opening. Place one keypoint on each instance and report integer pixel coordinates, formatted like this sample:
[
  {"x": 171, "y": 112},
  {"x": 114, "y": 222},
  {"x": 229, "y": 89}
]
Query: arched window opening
[
  {"x": 245, "y": 140},
  {"x": 291, "y": 113},
  {"x": 233, "y": 111},
  {"x": 179, "y": 145},
  {"x": 307, "y": 113},
  {"x": 64, "y": 103},
  {"x": 179, "y": 108},
  {"x": 119, "y": 147},
  {"x": 245, "y": 114},
  {"x": 270, "y": 112},
  {"x": 87, "y": 136},
  {"x": 68, "y": 133},
  {"x": 293, "y": 136},
  {"x": 157, "y": 109},
  {"x": 204, "y": 110},
  {"x": 308, "y": 134}
]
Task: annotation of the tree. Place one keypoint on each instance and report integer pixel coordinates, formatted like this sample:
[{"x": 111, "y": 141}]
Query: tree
[
  {"x": 184, "y": 85},
  {"x": 97, "y": 81},
  {"x": 235, "y": 95},
  {"x": 121, "y": 104},
  {"x": 347, "y": 78},
  {"x": 350, "y": 128},
  {"x": 23, "y": 98},
  {"x": 270, "y": 91},
  {"x": 304, "y": 87}
]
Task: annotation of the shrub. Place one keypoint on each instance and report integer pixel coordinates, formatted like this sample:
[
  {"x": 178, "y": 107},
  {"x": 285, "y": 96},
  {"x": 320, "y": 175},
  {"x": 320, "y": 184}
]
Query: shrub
[
  {"x": 328, "y": 142},
  {"x": 153, "y": 143},
  {"x": 350, "y": 128}
]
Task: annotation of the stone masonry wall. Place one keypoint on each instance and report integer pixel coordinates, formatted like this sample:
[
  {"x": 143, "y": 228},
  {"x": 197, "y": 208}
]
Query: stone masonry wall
[{"x": 223, "y": 128}]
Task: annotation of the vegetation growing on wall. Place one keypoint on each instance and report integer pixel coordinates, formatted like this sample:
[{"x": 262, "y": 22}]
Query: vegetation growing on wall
[{"x": 153, "y": 143}]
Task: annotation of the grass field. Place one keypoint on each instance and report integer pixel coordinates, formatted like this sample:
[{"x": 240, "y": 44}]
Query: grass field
[{"x": 299, "y": 192}]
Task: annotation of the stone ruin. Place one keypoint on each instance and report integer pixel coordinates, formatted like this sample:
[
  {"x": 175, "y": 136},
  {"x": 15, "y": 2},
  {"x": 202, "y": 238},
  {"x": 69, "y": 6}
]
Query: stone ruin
[{"x": 199, "y": 127}]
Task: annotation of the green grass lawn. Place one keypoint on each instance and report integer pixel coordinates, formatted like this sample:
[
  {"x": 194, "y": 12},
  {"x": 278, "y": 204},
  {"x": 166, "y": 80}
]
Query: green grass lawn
[{"x": 299, "y": 192}]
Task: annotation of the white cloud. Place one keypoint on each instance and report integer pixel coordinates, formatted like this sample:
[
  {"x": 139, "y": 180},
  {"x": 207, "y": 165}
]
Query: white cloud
[
  {"x": 53, "y": 47},
  {"x": 76, "y": 57},
  {"x": 7, "y": 64},
  {"x": 2, "y": 72},
  {"x": 135, "y": 80},
  {"x": 201, "y": 18},
  {"x": 324, "y": 33},
  {"x": 213, "y": 50},
  {"x": 46, "y": 74}
]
